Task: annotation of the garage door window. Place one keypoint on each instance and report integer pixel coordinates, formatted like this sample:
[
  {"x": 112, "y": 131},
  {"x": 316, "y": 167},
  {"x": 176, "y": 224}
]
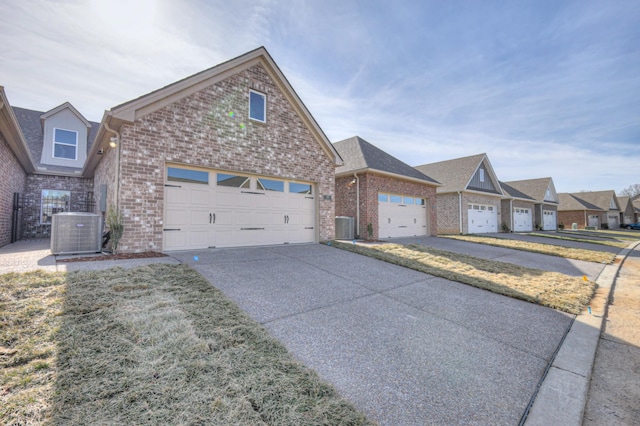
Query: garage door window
[
  {"x": 233, "y": 181},
  {"x": 409, "y": 200},
  {"x": 397, "y": 199},
  {"x": 175, "y": 174},
  {"x": 300, "y": 188},
  {"x": 383, "y": 198},
  {"x": 271, "y": 185},
  {"x": 420, "y": 201}
]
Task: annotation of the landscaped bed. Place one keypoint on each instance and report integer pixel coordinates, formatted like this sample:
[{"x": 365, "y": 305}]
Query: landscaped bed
[
  {"x": 548, "y": 249},
  {"x": 552, "y": 289},
  {"x": 151, "y": 345}
]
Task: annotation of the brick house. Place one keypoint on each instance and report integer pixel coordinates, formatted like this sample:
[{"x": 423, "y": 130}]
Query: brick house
[
  {"x": 227, "y": 157},
  {"x": 545, "y": 202},
  {"x": 627, "y": 210},
  {"x": 387, "y": 198},
  {"x": 598, "y": 209},
  {"x": 469, "y": 200},
  {"x": 43, "y": 154}
]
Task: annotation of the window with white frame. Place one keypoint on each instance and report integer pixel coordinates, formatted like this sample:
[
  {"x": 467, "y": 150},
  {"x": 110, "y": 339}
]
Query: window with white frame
[
  {"x": 257, "y": 106},
  {"x": 481, "y": 175},
  {"x": 65, "y": 144},
  {"x": 53, "y": 201}
]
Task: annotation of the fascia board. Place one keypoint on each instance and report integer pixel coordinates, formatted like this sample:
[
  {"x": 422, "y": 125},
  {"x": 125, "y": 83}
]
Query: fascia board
[{"x": 387, "y": 174}]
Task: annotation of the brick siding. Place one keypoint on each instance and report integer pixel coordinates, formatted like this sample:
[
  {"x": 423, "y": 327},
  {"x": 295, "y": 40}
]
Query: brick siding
[
  {"x": 370, "y": 185},
  {"x": 79, "y": 188},
  {"x": 569, "y": 217},
  {"x": 12, "y": 179},
  {"x": 199, "y": 130}
]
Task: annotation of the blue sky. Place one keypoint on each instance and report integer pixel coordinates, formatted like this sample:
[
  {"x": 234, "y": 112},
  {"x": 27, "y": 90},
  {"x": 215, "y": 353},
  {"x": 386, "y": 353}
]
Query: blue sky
[{"x": 545, "y": 88}]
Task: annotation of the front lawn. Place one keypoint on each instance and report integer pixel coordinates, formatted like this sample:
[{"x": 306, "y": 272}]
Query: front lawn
[
  {"x": 548, "y": 249},
  {"x": 552, "y": 289},
  {"x": 152, "y": 345}
]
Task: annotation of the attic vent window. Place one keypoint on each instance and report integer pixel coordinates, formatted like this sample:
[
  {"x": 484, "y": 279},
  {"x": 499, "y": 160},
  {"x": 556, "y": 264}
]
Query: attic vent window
[
  {"x": 65, "y": 144},
  {"x": 481, "y": 175},
  {"x": 257, "y": 106}
]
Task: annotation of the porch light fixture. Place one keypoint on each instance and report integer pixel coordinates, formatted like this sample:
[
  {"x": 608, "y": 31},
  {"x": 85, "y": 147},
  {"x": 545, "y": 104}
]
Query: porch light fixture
[{"x": 113, "y": 142}]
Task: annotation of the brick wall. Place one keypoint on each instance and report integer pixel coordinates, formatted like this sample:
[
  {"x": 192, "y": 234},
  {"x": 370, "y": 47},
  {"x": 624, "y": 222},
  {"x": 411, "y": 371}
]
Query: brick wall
[
  {"x": 200, "y": 130},
  {"x": 370, "y": 185},
  {"x": 79, "y": 188},
  {"x": 578, "y": 216},
  {"x": 12, "y": 179}
]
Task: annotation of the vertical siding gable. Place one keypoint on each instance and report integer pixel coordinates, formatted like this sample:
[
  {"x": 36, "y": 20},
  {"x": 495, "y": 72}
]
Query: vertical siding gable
[{"x": 476, "y": 182}]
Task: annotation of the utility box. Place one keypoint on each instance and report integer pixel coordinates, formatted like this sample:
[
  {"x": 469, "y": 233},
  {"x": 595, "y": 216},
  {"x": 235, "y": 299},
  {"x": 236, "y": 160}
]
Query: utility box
[
  {"x": 75, "y": 233},
  {"x": 345, "y": 229},
  {"x": 574, "y": 226}
]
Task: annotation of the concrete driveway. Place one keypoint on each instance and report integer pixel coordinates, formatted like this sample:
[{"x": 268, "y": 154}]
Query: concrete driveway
[
  {"x": 405, "y": 347},
  {"x": 577, "y": 268}
]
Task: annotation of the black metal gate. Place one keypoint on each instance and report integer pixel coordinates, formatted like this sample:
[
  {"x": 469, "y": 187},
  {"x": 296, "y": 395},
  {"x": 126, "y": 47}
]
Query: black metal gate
[{"x": 16, "y": 217}]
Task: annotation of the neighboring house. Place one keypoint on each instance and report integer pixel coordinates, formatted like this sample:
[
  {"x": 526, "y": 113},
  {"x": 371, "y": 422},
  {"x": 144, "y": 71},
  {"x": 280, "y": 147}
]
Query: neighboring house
[
  {"x": 227, "y": 157},
  {"x": 469, "y": 198},
  {"x": 543, "y": 192},
  {"x": 636, "y": 207},
  {"x": 516, "y": 209},
  {"x": 627, "y": 210},
  {"x": 598, "y": 209},
  {"x": 51, "y": 149},
  {"x": 386, "y": 197}
]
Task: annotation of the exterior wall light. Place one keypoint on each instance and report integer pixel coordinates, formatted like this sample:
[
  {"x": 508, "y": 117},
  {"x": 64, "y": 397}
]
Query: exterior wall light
[{"x": 113, "y": 142}]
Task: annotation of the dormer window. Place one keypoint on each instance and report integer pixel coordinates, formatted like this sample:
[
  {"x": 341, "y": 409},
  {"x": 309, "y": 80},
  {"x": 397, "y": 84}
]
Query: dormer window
[
  {"x": 65, "y": 144},
  {"x": 612, "y": 204}
]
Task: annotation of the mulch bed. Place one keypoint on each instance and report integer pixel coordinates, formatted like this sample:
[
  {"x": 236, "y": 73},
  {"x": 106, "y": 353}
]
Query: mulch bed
[{"x": 118, "y": 256}]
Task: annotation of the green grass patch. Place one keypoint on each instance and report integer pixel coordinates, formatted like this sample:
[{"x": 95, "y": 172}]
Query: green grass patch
[
  {"x": 152, "y": 345},
  {"x": 548, "y": 249},
  {"x": 552, "y": 289}
]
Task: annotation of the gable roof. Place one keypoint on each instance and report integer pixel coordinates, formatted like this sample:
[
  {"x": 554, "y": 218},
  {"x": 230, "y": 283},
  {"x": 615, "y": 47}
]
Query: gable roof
[
  {"x": 569, "y": 203},
  {"x": 10, "y": 130},
  {"x": 534, "y": 188},
  {"x": 455, "y": 175},
  {"x": 31, "y": 125},
  {"x": 601, "y": 199},
  {"x": 360, "y": 156},
  {"x": 129, "y": 111},
  {"x": 512, "y": 192}
]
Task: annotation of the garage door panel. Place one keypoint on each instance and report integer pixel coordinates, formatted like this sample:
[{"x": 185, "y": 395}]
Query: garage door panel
[
  {"x": 401, "y": 219},
  {"x": 229, "y": 216}
]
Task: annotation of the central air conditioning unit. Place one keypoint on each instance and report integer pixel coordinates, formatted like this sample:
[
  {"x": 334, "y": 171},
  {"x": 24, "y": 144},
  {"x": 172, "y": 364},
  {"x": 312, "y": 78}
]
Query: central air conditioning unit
[
  {"x": 75, "y": 233},
  {"x": 344, "y": 228}
]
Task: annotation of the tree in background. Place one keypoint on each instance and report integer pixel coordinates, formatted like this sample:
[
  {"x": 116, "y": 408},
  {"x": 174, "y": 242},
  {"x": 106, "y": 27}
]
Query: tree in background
[{"x": 632, "y": 191}]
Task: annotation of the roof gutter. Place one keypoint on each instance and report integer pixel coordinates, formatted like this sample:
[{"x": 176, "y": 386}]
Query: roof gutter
[
  {"x": 355, "y": 175},
  {"x": 389, "y": 174},
  {"x": 460, "y": 207}
]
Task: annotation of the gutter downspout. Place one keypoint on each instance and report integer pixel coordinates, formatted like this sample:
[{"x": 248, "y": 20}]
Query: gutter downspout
[
  {"x": 355, "y": 175},
  {"x": 460, "y": 205},
  {"x": 117, "y": 183},
  {"x": 511, "y": 213},
  {"x": 585, "y": 219}
]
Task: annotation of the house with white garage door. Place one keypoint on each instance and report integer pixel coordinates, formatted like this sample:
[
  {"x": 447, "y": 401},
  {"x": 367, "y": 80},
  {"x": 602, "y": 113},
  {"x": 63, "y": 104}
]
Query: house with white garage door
[
  {"x": 545, "y": 198},
  {"x": 386, "y": 197},
  {"x": 516, "y": 209},
  {"x": 469, "y": 199},
  {"x": 598, "y": 209},
  {"x": 226, "y": 157}
]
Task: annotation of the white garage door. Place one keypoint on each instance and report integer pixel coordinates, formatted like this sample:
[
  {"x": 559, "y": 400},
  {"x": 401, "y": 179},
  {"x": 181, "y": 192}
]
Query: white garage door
[
  {"x": 223, "y": 209},
  {"x": 612, "y": 220},
  {"x": 594, "y": 221},
  {"x": 522, "y": 220},
  {"x": 482, "y": 219},
  {"x": 549, "y": 222},
  {"x": 401, "y": 216}
]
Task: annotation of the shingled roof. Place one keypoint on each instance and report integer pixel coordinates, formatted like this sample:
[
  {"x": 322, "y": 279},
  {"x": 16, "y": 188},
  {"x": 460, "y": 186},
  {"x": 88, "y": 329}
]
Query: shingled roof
[
  {"x": 601, "y": 199},
  {"x": 455, "y": 175},
  {"x": 598, "y": 200},
  {"x": 360, "y": 156},
  {"x": 31, "y": 126},
  {"x": 533, "y": 188},
  {"x": 513, "y": 192}
]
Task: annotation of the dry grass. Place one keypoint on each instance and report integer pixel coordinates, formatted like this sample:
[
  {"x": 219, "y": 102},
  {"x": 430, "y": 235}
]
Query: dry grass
[
  {"x": 613, "y": 243},
  {"x": 152, "y": 345},
  {"x": 558, "y": 291},
  {"x": 548, "y": 249}
]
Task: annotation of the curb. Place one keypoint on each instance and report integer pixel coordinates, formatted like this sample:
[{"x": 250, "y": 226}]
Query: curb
[{"x": 562, "y": 397}]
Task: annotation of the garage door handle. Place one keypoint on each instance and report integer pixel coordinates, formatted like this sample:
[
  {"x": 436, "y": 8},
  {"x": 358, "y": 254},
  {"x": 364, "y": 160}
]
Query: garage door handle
[
  {"x": 286, "y": 219},
  {"x": 210, "y": 218},
  {"x": 214, "y": 218},
  {"x": 389, "y": 220}
]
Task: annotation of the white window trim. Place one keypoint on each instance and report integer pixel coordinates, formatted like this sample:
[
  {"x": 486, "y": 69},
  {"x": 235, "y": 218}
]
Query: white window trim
[
  {"x": 264, "y": 101},
  {"x": 53, "y": 153}
]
